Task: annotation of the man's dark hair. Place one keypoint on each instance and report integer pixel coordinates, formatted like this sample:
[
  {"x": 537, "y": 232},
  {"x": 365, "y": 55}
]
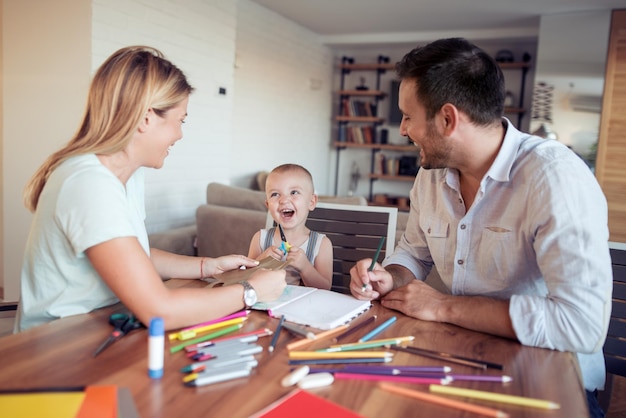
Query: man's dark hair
[{"x": 456, "y": 71}]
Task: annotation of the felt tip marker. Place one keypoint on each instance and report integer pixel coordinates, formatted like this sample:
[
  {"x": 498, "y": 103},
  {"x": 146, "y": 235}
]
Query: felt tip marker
[{"x": 156, "y": 347}]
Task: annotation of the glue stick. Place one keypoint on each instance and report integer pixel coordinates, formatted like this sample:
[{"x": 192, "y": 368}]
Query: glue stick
[{"x": 156, "y": 346}]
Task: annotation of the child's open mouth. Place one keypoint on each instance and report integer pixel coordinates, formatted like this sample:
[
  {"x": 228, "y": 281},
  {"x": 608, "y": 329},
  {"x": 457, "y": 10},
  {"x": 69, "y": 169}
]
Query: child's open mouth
[{"x": 287, "y": 213}]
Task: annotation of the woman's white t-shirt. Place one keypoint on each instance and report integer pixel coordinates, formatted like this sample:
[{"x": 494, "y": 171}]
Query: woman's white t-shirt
[{"x": 82, "y": 204}]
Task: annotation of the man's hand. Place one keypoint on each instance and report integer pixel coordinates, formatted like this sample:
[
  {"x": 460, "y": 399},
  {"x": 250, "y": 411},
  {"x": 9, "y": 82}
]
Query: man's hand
[
  {"x": 416, "y": 299},
  {"x": 368, "y": 285}
]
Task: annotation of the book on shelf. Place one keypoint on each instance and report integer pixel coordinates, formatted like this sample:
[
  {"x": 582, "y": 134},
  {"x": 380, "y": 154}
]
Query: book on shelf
[
  {"x": 317, "y": 308},
  {"x": 351, "y": 107}
]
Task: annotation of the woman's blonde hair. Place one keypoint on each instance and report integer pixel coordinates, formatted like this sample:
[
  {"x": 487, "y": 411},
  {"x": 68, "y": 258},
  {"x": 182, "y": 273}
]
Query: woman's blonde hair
[{"x": 131, "y": 81}]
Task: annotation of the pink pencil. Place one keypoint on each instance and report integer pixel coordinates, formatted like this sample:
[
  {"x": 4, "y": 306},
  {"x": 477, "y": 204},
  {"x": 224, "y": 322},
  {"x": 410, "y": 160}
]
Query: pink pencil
[{"x": 398, "y": 379}]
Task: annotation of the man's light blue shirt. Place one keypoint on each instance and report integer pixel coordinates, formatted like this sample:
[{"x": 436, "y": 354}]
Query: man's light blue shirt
[{"x": 536, "y": 234}]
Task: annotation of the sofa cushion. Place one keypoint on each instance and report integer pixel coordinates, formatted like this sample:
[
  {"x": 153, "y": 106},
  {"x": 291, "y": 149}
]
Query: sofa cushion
[
  {"x": 236, "y": 197},
  {"x": 226, "y": 230},
  {"x": 180, "y": 240}
]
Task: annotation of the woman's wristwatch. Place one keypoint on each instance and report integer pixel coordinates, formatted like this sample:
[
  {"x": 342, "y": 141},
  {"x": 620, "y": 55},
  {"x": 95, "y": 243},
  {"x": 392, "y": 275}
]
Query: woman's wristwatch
[{"x": 249, "y": 294}]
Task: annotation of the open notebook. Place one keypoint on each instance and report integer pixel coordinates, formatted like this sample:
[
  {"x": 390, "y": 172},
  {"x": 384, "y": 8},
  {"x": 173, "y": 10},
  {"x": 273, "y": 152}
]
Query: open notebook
[{"x": 317, "y": 308}]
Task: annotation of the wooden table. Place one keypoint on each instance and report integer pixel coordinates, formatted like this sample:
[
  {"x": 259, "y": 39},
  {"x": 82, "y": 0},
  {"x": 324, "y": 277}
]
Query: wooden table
[{"x": 60, "y": 354}]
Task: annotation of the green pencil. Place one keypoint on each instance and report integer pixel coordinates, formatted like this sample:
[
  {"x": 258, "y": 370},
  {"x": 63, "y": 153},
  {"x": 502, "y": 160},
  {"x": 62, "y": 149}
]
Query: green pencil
[
  {"x": 380, "y": 247},
  {"x": 207, "y": 337}
]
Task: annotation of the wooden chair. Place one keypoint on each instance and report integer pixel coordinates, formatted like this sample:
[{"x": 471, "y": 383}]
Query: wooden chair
[
  {"x": 355, "y": 231},
  {"x": 615, "y": 345}
]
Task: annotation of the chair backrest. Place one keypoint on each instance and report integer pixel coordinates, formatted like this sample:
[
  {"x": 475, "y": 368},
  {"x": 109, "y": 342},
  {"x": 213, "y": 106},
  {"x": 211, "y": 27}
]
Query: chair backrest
[
  {"x": 355, "y": 232},
  {"x": 615, "y": 345}
]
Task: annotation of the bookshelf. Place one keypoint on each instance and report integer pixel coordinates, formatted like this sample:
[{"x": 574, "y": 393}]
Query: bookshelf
[
  {"x": 519, "y": 110},
  {"x": 358, "y": 121}
]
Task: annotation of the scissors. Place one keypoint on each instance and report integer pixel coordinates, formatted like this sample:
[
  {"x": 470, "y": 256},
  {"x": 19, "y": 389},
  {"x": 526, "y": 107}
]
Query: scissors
[
  {"x": 122, "y": 324},
  {"x": 284, "y": 245}
]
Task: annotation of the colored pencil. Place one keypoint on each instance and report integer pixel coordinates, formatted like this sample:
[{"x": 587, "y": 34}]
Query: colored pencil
[
  {"x": 387, "y": 370},
  {"x": 310, "y": 355},
  {"x": 356, "y": 328},
  {"x": 378, "y": 330},
  {"x": 397, "y": 379},
  {"x": 341, "y": 361},
  {"x": 479, "y": 364},
  {"x": 216, "y": 334},
  {"x": 495, "y": 397},
  {"x": 396, "y": 370},
  {"x": 480, "y": 378},
  {"x": 276, "y": 334},
  {"x": 380, "y": 247},
  {"x": 367, "y": 344},
  {"x": 440, "y": 400},
  {"x": 325, "y": 334},
  {"x": 214, "y": 321},
  {"x": 193, "y": 333}
]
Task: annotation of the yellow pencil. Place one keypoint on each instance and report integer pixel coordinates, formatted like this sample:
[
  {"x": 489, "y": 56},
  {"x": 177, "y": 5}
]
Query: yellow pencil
[
  {"x": 314, "y": 355},
  {"x": 495, "y": 397},
  {"x": 192, "y": 333},
  {"x": 440, "y": 400}
]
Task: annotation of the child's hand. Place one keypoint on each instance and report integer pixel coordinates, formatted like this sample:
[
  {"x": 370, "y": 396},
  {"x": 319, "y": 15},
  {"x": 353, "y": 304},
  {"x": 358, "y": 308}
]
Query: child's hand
[
  {"x": 297, "y": 258},
  {"x": 273, "y": 251}
]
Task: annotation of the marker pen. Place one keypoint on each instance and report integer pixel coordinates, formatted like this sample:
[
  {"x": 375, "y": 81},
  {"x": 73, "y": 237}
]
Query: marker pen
[{"x": 156, "y": 346}]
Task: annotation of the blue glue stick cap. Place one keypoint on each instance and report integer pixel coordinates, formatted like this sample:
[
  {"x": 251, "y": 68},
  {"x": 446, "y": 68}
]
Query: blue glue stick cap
[
  {"x": 157, "y": 328},
  {"x": 156, "y": 348}
]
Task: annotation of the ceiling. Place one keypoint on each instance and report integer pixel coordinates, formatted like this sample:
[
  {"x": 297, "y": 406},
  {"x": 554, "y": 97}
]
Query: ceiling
[{"x": 344, "y": 22}]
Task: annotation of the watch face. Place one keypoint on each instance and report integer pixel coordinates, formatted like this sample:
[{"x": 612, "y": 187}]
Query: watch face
[{"x": 249, "y": 297}]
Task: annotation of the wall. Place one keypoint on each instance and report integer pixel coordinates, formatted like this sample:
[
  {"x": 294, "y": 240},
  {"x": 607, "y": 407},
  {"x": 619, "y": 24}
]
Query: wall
[
  {"x": 283, "y": 77},
  {"x": 45, "y": 72},
  {"x": 199, "y": 37},
  {"x": 571, "y": 57},
  {"x": 258, "y": 57},
  {"x": 1, "y": 159}
]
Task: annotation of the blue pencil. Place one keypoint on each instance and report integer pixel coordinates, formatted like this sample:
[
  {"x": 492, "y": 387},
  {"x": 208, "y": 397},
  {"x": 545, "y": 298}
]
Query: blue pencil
[
  {"x": 276, "y": 334},
  {"x": 378, "y": 329}
]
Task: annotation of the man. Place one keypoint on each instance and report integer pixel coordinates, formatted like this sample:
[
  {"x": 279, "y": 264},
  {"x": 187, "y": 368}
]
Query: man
[{"x": 516, "y": 225}]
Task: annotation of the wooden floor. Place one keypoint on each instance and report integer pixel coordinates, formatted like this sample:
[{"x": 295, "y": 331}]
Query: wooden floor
[{"x": 616, "y": 410}]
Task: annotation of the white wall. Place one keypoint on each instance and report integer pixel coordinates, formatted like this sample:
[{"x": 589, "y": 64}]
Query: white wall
[
  {"x": 571, "y": 57},
  {"x": 45, "y": 74},
  {"x": 199, "y": 37},
  {"x": 282, "y": 112}
]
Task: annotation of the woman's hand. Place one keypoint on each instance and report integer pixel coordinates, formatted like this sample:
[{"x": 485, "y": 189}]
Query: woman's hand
[{"x": 213, "y": 266}]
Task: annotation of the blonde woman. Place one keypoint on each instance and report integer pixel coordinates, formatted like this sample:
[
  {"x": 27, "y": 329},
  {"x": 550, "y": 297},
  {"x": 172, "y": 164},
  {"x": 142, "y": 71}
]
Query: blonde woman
[{"x": 88, "y": 246}]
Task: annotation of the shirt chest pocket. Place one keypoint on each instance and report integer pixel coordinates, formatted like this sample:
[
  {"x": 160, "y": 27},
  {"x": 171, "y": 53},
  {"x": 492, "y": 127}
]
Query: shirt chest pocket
[
  {"x": 437, "y": 233},
  {"x": 436, "y": 228}
]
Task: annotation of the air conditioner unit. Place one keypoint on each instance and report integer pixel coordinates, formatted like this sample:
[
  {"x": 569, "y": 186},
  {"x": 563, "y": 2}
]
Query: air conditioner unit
[{"x": 586, "y": 103}]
